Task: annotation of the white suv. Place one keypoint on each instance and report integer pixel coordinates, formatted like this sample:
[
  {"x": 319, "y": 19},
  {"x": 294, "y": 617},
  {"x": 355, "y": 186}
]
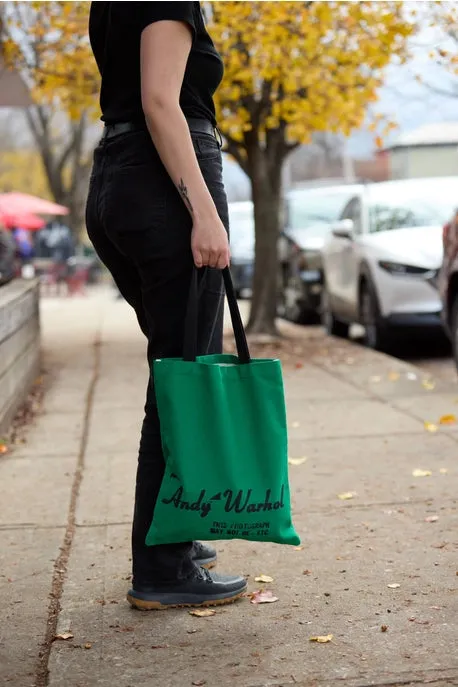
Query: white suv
[{"x": 382, "y": 258}]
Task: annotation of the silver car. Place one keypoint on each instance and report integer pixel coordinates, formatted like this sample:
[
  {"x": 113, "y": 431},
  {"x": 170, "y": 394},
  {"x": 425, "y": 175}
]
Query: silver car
[{"x": 382, "y": 258}]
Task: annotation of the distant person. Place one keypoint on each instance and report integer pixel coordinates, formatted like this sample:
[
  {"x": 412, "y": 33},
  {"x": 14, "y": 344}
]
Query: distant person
[
  {"x": 157, "y": 207},
  {"x": 24, "y": 244}
]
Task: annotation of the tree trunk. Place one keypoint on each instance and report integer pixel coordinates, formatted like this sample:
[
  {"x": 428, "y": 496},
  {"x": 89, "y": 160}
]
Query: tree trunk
[
  {"x": 266, "y": 191},
  {"x": 67, "y": 165}
]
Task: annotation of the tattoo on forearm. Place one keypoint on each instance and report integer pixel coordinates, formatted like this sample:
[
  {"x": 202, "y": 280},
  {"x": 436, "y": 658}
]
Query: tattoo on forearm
[{"x": 184, "y": 195}]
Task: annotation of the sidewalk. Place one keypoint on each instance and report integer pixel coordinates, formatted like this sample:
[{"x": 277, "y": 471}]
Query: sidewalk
[{"x": 66, "y": 498}]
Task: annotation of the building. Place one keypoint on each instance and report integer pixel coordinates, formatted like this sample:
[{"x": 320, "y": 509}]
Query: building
[
  {"x": 13, "y": 91},
  {"x": 429, "y": 151}
]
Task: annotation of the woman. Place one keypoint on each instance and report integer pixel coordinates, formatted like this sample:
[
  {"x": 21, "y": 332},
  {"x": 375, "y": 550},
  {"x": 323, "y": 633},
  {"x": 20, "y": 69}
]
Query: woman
[{"x": 156, "y": 208}]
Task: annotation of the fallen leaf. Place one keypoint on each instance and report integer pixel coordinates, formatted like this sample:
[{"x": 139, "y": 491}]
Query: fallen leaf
[
  {"x": 299, "y": 365},
  {"x": 430, "y": 426},
  {"x": 204, "y": 613},
  {"x": 443, "y": 471},
  {"x": 393, "y": 376},
  {"x": 346, "y": 495},
  {"x": 384, "y": 628},
  {"x": 297, "y": 461},
  {"x": 432, "y": 518},
  {"x": 321, "y": 639},
  {"x": 394, "y": 585},
  {"x": 307, "y": 572},
  {"x": 421, "y": 473},
  {"x": 447, "y": 420},
  {"x": 64, "y": 635},
  {"x": 3, "y": 448},
  {"x": 428, "y": 384},
  {"x": 262, "y": 597},
  {"x": 199, "y": 683},
  {"x": 298, "y": 548},
  {"x": 264, "y": 578}
]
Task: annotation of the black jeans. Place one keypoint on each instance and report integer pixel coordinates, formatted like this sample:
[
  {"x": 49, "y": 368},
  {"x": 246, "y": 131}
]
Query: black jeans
[{"x": 141, "y": 230}]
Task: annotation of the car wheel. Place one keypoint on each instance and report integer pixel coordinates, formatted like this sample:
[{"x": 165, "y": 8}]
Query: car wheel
[
  {"x": 376, "y": 334},
  {"x": 454, "y": 329},
  {"x": 332, "y": 325}
]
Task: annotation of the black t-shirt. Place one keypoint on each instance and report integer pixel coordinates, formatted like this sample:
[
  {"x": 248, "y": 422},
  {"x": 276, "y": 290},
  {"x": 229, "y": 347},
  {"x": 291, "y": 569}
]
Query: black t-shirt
[{"x": 115, "y": 29}]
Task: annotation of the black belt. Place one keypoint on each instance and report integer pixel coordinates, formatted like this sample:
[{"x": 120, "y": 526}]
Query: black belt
[{"x": 196, "y": 125}]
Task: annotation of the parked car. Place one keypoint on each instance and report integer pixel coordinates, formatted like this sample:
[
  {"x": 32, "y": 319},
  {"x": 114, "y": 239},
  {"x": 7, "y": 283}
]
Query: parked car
[
  {"x": 7, "y": 256},
  {"x": 309, "y": 216},
  {"x": 382, "y": 259},
  {"x": 448, "y": 281},
  {"x": 241, "y": 223}
]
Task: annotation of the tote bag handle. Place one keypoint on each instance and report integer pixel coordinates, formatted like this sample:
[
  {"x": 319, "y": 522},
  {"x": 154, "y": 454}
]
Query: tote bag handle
[{"x": 192, "y": 316}]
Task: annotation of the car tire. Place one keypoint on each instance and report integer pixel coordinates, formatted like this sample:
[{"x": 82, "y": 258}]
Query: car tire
[
  {"x": 332, "y": 325},
  {"x": 376, "y": 333},
  {"x": 454, "y": 329}
]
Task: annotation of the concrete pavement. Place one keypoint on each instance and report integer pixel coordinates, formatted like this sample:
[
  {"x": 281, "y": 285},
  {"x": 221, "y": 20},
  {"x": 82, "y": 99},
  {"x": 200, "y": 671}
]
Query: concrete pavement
[{"x": 378, "y": 570}]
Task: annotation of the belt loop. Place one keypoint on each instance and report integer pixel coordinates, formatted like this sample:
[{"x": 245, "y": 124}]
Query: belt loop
[{"x": 218, "y": 137}]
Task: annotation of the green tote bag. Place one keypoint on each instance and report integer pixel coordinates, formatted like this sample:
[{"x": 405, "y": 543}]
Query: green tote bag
[{"x": 224, "y": 437}]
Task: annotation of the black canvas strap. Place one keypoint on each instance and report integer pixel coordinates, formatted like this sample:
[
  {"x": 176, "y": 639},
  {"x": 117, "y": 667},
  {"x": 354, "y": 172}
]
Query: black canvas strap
[{"x": 192, "y": 317}]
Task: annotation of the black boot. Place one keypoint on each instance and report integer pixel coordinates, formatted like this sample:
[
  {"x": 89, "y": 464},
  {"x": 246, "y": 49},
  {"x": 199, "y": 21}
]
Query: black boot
[
  {"x": 201, "y": 588},
  {"x": 203, "y": 555}
]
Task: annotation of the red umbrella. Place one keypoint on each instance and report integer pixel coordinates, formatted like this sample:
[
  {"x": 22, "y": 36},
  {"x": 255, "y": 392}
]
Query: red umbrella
[
  {"x": 25, "y": 220},
  {"x": 19, "y": 203}
]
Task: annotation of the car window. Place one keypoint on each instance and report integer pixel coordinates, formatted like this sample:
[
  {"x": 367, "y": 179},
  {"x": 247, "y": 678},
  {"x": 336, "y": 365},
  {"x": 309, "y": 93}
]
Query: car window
[
  {"x": 313, "y": 209},
  {"x": 386, "y": 214},
  {"x": 353, "y": 211}
]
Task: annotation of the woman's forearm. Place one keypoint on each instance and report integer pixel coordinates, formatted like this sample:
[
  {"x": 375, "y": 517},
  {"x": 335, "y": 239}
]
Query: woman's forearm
[{"x": 170, "y": 133}]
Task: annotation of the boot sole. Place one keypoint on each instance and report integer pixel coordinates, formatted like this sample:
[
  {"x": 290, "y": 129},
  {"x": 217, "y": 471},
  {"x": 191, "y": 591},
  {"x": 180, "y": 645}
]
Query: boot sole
[{"x": 142, "y": 605}]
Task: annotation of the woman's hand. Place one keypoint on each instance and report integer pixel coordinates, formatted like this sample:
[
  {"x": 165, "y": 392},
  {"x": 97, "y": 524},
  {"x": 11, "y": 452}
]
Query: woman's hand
[{"x": 210, "y": 243}]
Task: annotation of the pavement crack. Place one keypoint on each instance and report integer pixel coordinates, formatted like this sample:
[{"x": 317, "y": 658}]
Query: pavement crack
[{"x": 61, "y": 563}]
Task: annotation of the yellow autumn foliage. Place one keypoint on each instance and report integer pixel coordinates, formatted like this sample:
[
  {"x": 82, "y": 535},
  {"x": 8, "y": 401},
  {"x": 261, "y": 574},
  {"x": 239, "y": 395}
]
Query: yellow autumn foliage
[
  {"x": 48, "y": 43},
  {"x": 302, "y": 66},
  {"x": 22, "y": 170}
]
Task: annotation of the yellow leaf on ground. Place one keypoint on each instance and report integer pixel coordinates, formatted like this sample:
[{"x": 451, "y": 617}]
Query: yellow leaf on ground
[
  {"x": 264, "y": 578},
  {"x": 64, "y": 635},
  {"x": 262, "y": 597},
  {"x": 321, "y": 639},
  {"x": 203, "y": 613},
  {"x": 421, "y": 473},
  {"x": 346, "y": 495},
  {"x": 393, "y": 376},
  {"x": 447, "y": 420},
  {"x": 298, "y": 548},
  {"x": 297, "y": 461},
  {"x": 428, "y": 384},
  {"x": 430, "y": 427}
]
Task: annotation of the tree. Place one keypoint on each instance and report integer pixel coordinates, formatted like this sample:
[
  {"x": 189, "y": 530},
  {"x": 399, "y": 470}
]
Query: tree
[
  {"x": 443, "y": 47},
  {"x": 47, "y": 44},
  {"x": 293, "y": 69}
]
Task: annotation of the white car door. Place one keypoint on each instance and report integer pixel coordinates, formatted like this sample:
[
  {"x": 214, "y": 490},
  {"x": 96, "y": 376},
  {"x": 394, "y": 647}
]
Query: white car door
[{"x": 347, "y": 261}]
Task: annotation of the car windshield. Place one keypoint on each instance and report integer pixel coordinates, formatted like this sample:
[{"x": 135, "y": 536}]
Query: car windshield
[
  {"x": 241, "y": 223},
  {"x": 316, "y": 210},
  {"x": 416, "y": 206}
]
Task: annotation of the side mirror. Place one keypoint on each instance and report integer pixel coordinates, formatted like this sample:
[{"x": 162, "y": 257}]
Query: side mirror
[{"x": 344, "y": 229}]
